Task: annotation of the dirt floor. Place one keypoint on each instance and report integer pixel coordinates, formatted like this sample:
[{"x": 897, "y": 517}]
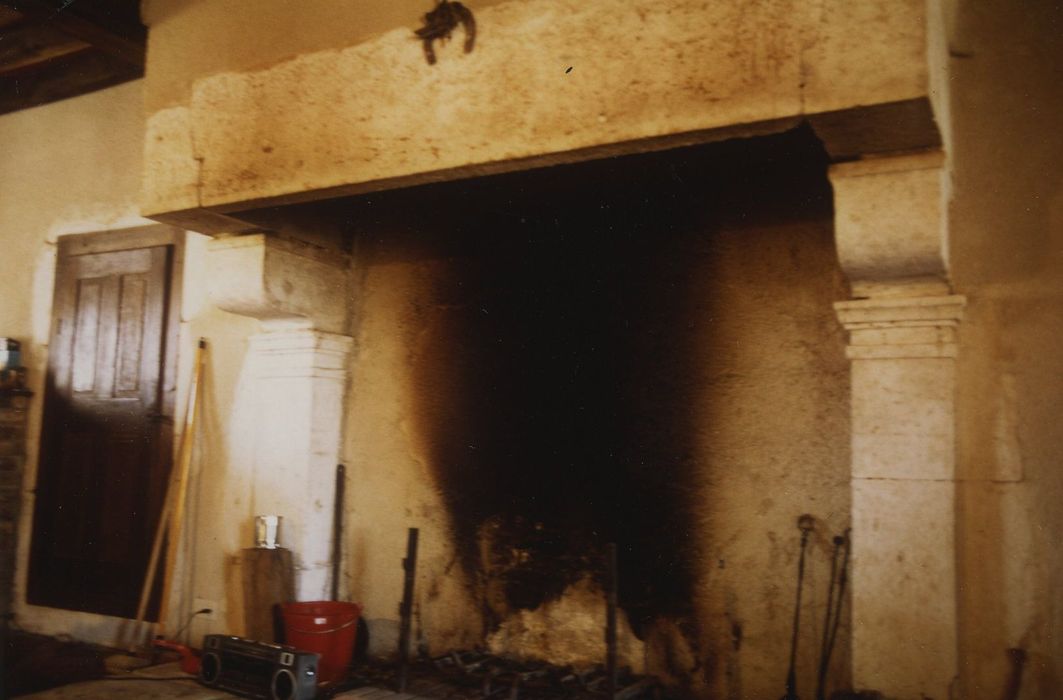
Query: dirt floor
[
  {"x": 167, "y": 681},
  {"x": 47, "y": 668},
  {"x": 33, "y": 662},
  {"x": 37, "y": 667},
  {"x": 163, "y": 681}
]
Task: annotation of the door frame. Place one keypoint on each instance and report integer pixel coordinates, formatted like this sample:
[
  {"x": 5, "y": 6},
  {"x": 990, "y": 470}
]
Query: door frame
[{"x": 109, "y": 241}]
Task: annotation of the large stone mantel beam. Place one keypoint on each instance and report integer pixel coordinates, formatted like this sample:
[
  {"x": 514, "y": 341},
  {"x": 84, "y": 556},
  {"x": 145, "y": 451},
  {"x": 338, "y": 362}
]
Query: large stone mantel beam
[{"x": 645, "y": 75}]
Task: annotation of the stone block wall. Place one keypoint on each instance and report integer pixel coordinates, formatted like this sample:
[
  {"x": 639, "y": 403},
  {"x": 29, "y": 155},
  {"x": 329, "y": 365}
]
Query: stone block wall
[{"x": 14, "y": 409}]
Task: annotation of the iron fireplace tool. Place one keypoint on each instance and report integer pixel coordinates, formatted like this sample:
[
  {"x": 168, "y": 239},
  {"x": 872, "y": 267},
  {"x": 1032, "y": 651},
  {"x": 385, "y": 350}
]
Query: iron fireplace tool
[
  {"x": 805, "y": 523},
  {"x": 824, "y": 655},
  {"x": 843, "y": 578}
]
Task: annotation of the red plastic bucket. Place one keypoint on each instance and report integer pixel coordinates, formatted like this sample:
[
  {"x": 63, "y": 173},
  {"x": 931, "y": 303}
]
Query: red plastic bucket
[{"x": 326, "y": 627}]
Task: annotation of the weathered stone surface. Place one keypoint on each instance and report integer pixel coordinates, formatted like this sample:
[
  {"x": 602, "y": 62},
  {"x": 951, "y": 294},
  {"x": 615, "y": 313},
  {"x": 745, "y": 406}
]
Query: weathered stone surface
[
  {"x": 904, "y": 587},
  {"x": 890, "y": 219},
  {"x": 903, "y": 419},
  {"x": 276, "y": 280},
  {"x": 171, "y": 171},
  {"x": 861, "y": 52},
  {"x": 891, "y": 235},
  {"x": 903, "y": 468},
  {"x": 333, "y": 122},
  {"x": 300, "y": 384},
  {"x": 898, "y": 327}
]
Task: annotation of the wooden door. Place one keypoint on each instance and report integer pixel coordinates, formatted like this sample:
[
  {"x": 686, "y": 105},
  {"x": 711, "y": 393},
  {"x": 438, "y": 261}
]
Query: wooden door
[{"x": 107, "y": 433}]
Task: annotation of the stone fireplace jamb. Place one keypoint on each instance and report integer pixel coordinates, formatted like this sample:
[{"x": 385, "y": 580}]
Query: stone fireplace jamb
[
  {"x": 300, "y": 366},
  {"x": 891, "y": 237}
]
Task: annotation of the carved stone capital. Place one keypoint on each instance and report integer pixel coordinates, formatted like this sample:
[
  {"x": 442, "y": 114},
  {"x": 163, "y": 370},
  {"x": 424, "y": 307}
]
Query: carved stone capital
[
  {"x": 890, "y": 225},
  {"x": 901, "y": 327},
  {"x": 279, "y": 281},
  {"x": 302, "y": 352}
]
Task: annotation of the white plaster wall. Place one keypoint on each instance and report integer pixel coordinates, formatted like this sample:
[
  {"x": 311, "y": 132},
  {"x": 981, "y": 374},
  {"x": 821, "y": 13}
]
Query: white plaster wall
[
  {"x": 68, "y": 167},
  {"x": 74, "y": 167},
  {"x": 220, "y": 506},
  {"x": 1006, "y": 229}
]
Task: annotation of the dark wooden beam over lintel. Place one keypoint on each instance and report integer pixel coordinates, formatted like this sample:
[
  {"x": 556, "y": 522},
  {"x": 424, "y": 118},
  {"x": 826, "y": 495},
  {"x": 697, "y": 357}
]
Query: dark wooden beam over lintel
[
  {"x": 24, "y": 48},
  {"x": 121, "y": 42},
  {"x": 63, "y": 77}
]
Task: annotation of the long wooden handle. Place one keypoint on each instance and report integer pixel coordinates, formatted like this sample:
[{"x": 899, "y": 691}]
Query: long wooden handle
[
  {"x": 173, "y": 505},
  {"x": 156, "y": 547},
  {"x": 185, "y": 462}
]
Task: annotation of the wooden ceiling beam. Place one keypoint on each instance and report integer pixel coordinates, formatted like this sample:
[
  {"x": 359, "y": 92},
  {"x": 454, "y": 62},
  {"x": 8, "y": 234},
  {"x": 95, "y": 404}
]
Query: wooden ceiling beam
[
  {"x": 121, "y": 43},
  {"x": 9, "y": 17},
  {"x": 27, "y": 47},
  {"x": 60, "y": 78}
]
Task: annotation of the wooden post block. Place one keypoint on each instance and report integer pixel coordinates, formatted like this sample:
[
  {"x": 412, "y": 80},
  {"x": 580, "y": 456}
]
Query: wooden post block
[{"x": 269, "y": 579}]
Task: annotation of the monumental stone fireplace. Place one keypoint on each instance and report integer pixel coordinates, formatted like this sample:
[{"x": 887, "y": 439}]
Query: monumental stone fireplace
[{"x": 530, "y": 346}]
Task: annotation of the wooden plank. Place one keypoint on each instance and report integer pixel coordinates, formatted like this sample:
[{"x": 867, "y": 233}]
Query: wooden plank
[
  {"x": 268, "y": 580},
  {"x": 121, "y": 239},
  {"x": 378, "y": 694},
  {"x": 63, "y": 77},
  {"x": 132, "y": 293},
  {"x": 86, "y": 327},
  {"x": 25, "y": 47},
  {"x": 100, "y": 458},
  {"x": 127, "y": 44},
  {"x": 10, "y": 17},
  {"x": 124, "y": 474},
  {"x": 107, "y": 338},
  {"x": 184, "y": 461},
  {"x": 367, "y": 693},
  {"x": 71, "y": 247}
]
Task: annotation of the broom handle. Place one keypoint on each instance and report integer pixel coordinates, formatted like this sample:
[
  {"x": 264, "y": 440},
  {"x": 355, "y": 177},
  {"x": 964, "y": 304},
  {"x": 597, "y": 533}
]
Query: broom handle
[{"x": 173, "y": 507}]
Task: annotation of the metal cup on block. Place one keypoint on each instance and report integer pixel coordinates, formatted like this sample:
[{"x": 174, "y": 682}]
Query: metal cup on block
[{"x": 267, "y": 531}]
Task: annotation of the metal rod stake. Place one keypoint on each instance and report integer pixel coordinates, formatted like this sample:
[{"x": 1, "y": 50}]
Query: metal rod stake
[
  {"x": 409, "y": 565},
  {"x": 610, "y": 619}
]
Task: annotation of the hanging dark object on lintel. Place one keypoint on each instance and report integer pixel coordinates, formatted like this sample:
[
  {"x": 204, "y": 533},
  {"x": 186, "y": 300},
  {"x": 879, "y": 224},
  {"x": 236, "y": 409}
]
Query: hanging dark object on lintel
[{"x": 441, "y": 22}]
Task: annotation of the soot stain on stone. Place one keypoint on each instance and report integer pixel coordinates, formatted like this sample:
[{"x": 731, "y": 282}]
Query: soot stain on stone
[{"x": 556, "y": 394}]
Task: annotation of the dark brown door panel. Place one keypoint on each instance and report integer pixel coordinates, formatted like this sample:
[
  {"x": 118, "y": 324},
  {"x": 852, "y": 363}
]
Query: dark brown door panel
[{"x": 105, "y": 454}]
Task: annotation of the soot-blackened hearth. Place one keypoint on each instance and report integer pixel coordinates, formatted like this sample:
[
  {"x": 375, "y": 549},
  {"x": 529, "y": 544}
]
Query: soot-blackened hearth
[{"x": 564, "y": 421}]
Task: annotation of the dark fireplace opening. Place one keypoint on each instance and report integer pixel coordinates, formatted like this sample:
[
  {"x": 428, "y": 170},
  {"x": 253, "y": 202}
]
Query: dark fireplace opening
[{"x": 557, "y": 401}]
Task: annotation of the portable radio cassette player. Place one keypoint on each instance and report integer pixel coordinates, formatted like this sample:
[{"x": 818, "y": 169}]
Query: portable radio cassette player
[{"x": 257, "y": 669}]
